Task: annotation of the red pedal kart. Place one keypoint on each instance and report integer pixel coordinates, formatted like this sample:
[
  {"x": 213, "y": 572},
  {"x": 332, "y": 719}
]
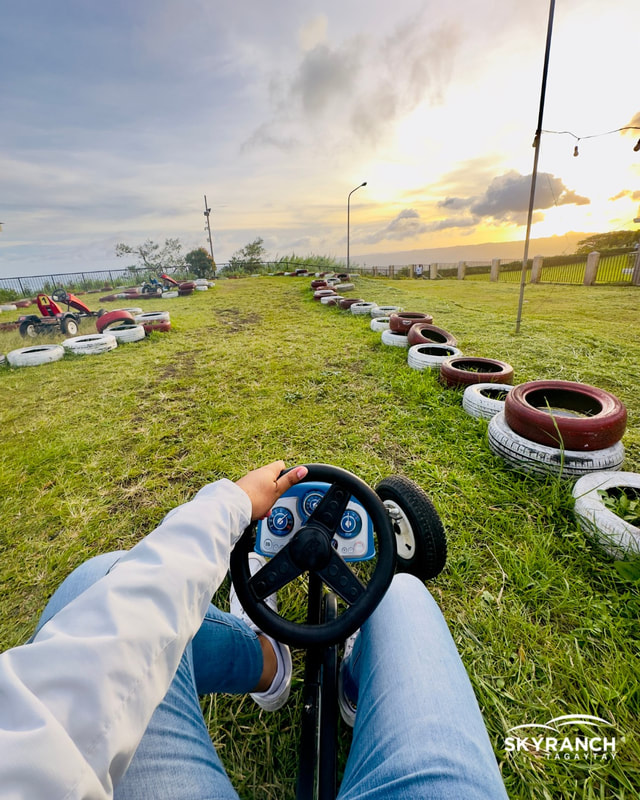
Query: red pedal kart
[{"x": 53, "y": 317}]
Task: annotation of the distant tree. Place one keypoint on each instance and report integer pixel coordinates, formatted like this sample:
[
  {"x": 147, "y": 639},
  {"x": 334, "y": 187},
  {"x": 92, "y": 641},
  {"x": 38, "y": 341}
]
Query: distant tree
[
  {"x": 152, "y": 255},
  {"x": 249, "y": 258},
  {"x": 200, "y": 263},
  {"x": 603, "y": 242}
]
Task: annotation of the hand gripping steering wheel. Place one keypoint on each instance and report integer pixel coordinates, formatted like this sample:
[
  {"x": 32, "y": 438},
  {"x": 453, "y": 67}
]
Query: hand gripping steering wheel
[{"x": 310, "y": 550}]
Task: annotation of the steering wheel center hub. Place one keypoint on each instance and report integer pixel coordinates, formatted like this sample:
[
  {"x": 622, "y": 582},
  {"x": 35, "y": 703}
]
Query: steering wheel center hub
[{"x": 311, "y": 549}]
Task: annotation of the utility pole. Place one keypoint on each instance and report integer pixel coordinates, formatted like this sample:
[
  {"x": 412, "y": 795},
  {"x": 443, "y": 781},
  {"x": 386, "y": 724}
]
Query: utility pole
[{"x": 207, "y": 212}]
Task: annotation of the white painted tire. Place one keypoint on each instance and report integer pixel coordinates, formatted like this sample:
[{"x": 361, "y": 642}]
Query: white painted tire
[
  {"x": 385, "y": 311},
  {"x": 430, "y": 356},
  {"x": 538, "y": 459},
  {"x": 201, "y": 288},
  {"x": 324, "y": 300},
  {"x": 344, "y": 287},
  {"x": 128, "y": 333},
  {"x": 32, "y": 356},
  {"x": 620, "y": 539},
  {"x": 379, "y": 324},
  {"x": 131, "y": 310},
  {"x": 394, "y": 339},
  {"x": 153, "y": 316},
  {"x": 8, "y": 307},
  {"x": 479, "y": 399},
  {"x": 169, "y": 295},
  {"x": 362, "y": 309},
  {"x": 201, "y": 282},
  {"x": 90, "y": 345}
]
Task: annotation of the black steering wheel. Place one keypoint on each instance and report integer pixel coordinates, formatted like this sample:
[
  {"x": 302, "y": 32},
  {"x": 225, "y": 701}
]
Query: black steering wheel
[
  {"x": 60, "y": 296},
  {"x": 310, "y": 550}
]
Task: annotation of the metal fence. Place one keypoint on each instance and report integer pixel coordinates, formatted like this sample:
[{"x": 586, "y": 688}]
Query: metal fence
[{"x": 613, "y": 268}]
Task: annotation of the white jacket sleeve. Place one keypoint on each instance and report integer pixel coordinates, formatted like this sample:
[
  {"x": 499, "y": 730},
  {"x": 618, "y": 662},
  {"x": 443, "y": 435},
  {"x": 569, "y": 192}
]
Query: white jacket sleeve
[{"x": 75, "y": 703}]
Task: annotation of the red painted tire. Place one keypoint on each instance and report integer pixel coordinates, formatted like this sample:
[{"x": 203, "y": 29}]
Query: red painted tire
[
  {"x": 421, "y": 333},
  {"x": 109, "y": 298},
  {"x": 113, "y": 318},
  {"x": 184, "y": 292},
  {"x": 317, "y": 296},
  {"x": 586, "y": 418},
  {"x": 347, "y": 302},
  {"x": 156, "y": 326},
  {"x": 465, "y": 370},
  {"x": 24, "y": 303},
  {"x": 187, "y": 285},
  {"x": 402, "y": 321},
  {"x": 319, "y": 284}
]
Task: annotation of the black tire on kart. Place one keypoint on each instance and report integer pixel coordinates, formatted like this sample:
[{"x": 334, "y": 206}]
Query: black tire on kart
[
  {"x": 69, "y": 326},
  {"x": 420, "y": 537},
  {"x": 28, "y": 329}
]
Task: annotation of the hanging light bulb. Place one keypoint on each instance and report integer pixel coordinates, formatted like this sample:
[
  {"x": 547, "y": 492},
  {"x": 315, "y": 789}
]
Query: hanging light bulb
[
  {"x": 636, "y": 149},
  {"x": 575, "y": 152}
]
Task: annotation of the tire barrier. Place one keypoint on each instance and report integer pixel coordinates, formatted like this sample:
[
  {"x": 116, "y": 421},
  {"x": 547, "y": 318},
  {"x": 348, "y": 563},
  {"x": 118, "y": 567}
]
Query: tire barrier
[
  {"x": 539, "y": 459},
  {"x": 619, "y": 538},
  {"x": 33, "y": 356},
  {"x": 566, "y": 414},
  {"x": 93, "y": 344},
  {"x": 485, "y": 400},
  {"x": 430, "y": 356}
]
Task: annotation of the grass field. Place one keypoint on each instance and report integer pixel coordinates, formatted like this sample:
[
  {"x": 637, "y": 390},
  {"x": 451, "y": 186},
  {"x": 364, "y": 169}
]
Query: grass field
[{"x": 95, "y": 450}]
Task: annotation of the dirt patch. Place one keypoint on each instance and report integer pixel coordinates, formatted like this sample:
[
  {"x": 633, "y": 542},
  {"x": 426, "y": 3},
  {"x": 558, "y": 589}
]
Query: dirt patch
[{"x": 235, "y": 320}]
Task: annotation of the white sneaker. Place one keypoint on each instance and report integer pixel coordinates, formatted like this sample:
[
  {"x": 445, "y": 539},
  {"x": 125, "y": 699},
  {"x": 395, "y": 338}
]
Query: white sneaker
[
  {"x": 278, "y": 693},
  {"x": 348, "y": 707}
]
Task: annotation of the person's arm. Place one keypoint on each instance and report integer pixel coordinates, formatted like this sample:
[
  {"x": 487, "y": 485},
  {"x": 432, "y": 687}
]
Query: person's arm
[{"x": 75, "y": 703}]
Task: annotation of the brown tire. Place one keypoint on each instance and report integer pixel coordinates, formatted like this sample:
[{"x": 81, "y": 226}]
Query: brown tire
[
  {"x": 347, "y": 302},
  {"x": 421, "y": 333},
  {"x": 573, "y": 416},
  {"x": 464, "y": 370},
  {"x": 162, "y": 327},
  {"x": 402, "y": 321}
]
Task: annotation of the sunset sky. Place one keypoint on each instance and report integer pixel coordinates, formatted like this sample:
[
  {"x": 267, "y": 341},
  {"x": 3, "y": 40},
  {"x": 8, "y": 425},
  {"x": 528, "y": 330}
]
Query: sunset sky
[{"x": 118, "y": 117}]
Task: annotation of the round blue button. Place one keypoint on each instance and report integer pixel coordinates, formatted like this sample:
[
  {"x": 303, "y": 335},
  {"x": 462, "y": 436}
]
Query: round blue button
[{"x": 280, "y": 521}]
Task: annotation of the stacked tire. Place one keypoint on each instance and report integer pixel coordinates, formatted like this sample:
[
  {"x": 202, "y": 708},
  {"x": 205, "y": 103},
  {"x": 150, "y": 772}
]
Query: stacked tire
[
  {"x": 560, "y": 428},
  {"x": 154, "y": 321}
]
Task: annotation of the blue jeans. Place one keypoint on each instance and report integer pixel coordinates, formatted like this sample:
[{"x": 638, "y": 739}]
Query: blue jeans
[{"x": 418, "y": 731}]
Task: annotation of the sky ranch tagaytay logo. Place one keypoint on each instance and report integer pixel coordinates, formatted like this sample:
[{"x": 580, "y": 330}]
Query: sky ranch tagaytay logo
[{"x": 574, "y": 737}]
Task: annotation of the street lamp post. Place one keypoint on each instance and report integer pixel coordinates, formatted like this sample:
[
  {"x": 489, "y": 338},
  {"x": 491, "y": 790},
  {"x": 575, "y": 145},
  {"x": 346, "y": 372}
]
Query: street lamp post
[{"x": 364, "y": 183}]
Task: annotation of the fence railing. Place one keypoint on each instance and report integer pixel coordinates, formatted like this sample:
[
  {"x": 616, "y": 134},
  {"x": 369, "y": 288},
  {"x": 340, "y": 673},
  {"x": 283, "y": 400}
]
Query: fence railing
[
  {"x": 621, "y": 267},
  {"x": 612, "y": 268}
]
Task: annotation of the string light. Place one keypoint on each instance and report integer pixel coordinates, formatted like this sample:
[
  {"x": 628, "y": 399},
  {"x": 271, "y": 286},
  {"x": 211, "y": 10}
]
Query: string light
[{"x": 576, "y": 152}]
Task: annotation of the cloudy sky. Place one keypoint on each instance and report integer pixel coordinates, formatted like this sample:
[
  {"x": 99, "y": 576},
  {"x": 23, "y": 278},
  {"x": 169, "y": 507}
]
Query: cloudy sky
[{"x": 118, "y": 117}]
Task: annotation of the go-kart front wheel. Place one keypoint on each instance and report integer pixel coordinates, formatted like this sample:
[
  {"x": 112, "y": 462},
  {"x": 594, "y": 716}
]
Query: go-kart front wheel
[{"x": 421, "y": 543}]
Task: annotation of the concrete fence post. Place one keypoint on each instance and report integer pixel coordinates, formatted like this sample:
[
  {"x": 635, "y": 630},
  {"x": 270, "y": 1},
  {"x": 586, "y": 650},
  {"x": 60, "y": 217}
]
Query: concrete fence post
[
  {"x": 536, "y": 269},
  {"x": 591, "y": 270},
  {"x": 462, "y": 270},
  {"x": 392, "y": 271},
  {"x": 433, "y": 271},
  {"x": 635, "y": 277},
  {"x": 495, "y": 269},
  {"x": 412, "y": 271}
]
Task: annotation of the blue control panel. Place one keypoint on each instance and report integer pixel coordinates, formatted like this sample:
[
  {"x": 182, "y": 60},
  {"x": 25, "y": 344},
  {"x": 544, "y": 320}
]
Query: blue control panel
[{"x": 353, "y": 540}]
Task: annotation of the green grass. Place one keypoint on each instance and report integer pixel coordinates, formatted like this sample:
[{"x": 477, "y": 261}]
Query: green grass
[{"x": 96, "y": 449}]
